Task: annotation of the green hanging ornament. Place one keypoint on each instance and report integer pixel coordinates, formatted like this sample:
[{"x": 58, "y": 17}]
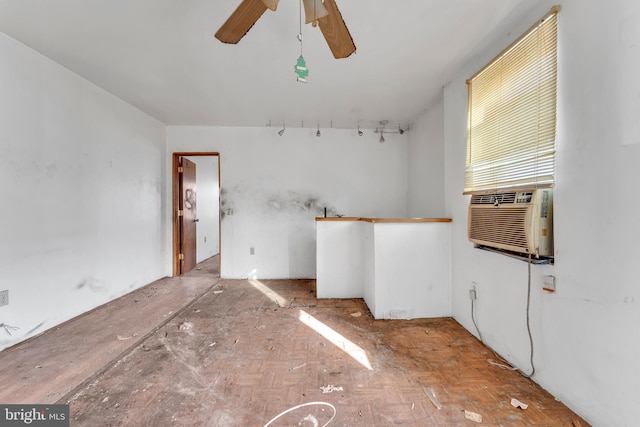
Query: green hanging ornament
[{"x": 301, "y": 70}]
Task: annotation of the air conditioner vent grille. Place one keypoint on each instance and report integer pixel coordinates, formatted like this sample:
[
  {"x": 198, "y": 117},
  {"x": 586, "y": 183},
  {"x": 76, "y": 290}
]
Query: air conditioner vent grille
[
  {"x": 505, "y": 227},
  {"x": 519, "y": 221},
  {"x": 493, "y": 199}
]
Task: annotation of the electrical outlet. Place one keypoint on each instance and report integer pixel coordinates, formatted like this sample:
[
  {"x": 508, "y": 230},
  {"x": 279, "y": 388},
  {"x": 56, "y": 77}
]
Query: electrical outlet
[
  {"x": 4, "y": 297},
  {"x": 252, "y": 250},
  {"x": 473, "y": 295}
]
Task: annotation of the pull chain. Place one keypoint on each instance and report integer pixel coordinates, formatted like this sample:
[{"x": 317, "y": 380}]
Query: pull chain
[{"x": 300, "y": 31}]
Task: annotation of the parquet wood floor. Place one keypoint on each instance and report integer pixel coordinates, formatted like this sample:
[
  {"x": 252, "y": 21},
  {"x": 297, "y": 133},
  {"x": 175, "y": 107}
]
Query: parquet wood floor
[{"x": 245, "y": 351}]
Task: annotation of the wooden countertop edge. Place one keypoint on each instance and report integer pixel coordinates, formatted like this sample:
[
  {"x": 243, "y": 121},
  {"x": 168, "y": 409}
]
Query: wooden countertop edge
[{"x": 384, "y": 220}]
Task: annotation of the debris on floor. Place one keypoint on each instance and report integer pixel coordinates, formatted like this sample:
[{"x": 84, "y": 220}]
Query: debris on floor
[
  {"x": 185, "y": 326},
  {"x": 432, "y": 397},
  {"x": 517, "y": 404},
  {"x": 330, "y": 388},
  {"x": 298, "y": 367},
  {"x": 473, "y": 416},
  {"x": 310, "y": 418},
  {"x": 121, "y": 338},
  {"x": 501, "y": 365},
  {"x": 356, "y": 314}
]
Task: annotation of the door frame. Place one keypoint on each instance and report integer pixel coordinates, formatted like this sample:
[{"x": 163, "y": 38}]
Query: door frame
[{"x": 175, "y": 202}]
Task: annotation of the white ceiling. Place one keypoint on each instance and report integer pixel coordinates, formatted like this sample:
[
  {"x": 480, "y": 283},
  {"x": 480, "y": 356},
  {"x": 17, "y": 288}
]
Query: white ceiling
[{"x": 161, "y": 56}]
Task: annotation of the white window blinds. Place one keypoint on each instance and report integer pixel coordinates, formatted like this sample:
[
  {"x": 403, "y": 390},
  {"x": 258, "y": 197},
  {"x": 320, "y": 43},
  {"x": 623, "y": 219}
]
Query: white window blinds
[{"x": 512, "y": 114}]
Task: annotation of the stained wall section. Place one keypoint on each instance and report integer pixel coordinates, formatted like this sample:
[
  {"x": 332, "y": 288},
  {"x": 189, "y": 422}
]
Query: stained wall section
[{"x": 273, "y": 187}]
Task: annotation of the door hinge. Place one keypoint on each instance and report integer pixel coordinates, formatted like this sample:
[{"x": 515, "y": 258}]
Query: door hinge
[
  {"x": 180, "y": 169},
  {"x": 181, "y": 256},
  {"x": 181, "y": 213}
]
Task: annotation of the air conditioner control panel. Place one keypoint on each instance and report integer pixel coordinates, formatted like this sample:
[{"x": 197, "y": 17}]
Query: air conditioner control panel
[{"x": 524, "y": 197}]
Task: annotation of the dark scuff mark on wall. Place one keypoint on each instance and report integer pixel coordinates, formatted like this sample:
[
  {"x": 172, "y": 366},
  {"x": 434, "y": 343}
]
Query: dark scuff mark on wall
[
  {"x": 52, "y": 169},
  {"x": 223, "y": 202},
  {"x": 92, "y": 283},
  {"x": 36, "y": 328},
  {"x": 226, "y": 208},
  {"x": 300, "y": 203},
  {"x": 8, "y": 328}
]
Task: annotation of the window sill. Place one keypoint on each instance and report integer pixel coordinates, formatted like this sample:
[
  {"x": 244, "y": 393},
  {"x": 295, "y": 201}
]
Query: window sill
[{"x": 518, "y": 255}]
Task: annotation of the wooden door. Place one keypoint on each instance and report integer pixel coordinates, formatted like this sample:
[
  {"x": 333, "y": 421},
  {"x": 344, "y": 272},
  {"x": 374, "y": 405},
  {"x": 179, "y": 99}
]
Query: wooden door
[{"x": 188, "y": 215}]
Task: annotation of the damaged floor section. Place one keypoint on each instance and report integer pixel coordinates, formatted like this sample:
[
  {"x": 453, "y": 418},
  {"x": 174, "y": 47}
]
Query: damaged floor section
[{"x": 266, "y": 352}]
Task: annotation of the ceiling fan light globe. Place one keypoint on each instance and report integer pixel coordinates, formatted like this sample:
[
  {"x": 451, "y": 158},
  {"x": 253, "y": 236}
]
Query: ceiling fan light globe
[
  {"x": 314, "y": 10},
  {"x": 271, "y": 4}
]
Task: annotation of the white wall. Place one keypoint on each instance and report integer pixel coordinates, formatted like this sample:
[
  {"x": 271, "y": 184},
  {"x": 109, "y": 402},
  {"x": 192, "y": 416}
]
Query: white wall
[
  {"x": 273, "y": 187},
  {"x": 426, "y": 166},
  {"x": 412, "y": 270},
  {"x": 82, "y": 184},
  {"x": 340, "y": 259},
  {"x": 207, "y": 207},
  {"x": 585, "y": 334}
]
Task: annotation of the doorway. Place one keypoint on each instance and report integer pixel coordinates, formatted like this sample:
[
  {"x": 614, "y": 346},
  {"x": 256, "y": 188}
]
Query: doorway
[{"x": 195, "y": 208}]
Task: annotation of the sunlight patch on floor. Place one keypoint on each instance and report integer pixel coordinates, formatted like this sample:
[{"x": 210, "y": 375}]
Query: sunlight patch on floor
[
  {"x": 356, "y": 352},
  {"x": 269, "y": 293}
]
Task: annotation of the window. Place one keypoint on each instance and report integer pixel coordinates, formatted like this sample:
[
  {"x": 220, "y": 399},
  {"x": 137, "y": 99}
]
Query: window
[{"x": 512, "y": 114}]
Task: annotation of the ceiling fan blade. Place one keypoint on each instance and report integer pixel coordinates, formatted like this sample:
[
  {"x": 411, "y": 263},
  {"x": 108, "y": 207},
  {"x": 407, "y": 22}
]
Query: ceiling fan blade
[
  {"x": 335, "y": 31},
  {"x": 241, "y": 21}
]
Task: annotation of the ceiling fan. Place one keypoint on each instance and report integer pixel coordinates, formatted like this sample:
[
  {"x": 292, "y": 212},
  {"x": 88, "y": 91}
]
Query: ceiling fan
[{"x": 323, "y": 13}]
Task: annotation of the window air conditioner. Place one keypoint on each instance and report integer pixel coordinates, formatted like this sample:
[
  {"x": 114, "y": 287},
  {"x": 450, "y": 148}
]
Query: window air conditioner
[{"x": 516, "y": 220}]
